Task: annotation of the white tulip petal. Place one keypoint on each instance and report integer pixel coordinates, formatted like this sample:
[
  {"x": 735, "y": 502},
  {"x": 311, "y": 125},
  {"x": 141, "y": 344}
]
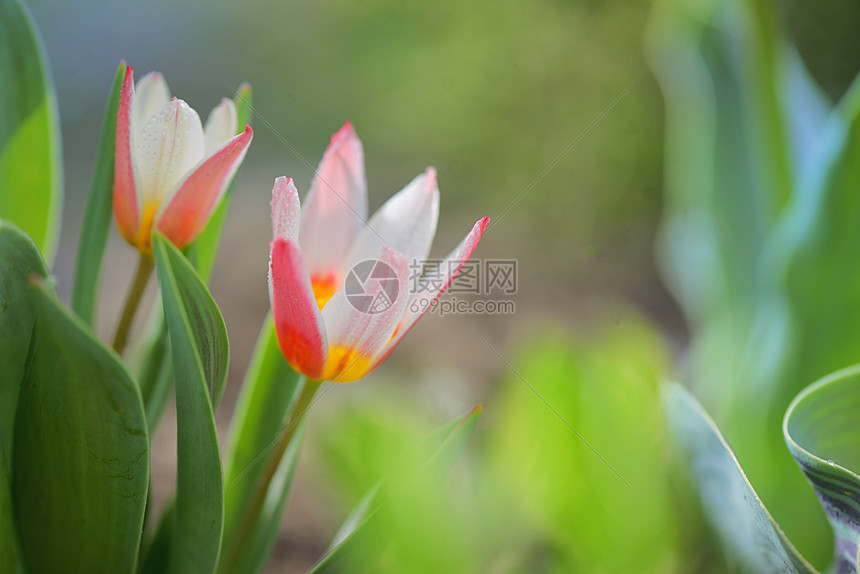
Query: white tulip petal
[
  {"x": 169, "y": 146},
  {"x": 151, "y": 94},
  {"x": 220, "y": 126},
  {"x": 432, "y": 285},
  {"x": 335, "y": 209},
  {"x": 286, "y": 210},
  {"x": 406, "y": 223}
]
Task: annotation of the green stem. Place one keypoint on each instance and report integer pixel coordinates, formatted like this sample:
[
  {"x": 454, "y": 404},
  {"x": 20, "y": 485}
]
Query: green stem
[
  {"x": 255, "y": 505},
  {"x": 138, "y": 285}
]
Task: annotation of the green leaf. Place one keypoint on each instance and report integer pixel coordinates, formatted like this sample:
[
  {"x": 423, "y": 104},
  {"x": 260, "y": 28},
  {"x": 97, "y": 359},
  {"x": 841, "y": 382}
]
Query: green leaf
[
  {"x": 743, "y": 141},
  {"x": 97, "y": 217},
  {"x": 254, "y": 554},
  {"x": 744, "y": 526},
  {"x": 156, "y": 558},
  {"x": 822, "y": 432},
  {"x": 203, "y": 319},
  {"x": 727, "y": 182},
  {"x": 19, "y": 259},
  {"x": 10, "y": 552},
  {"x": 815, "y": 256},
  {"x": 31, "y": 176},
  {"x": 199, "y": 349},
  {"x": 720, "y": 161},
  {"x": 806, "y": 109},
  {"x": 244, "y": 102},
  {"x": 155, "y": 372},
  {"x": 363, "y": 508},
  {"x": 81, "y": 454},
  {"x": 360, "y": 541},
  {"x": 269, "y": 392},
  {"x": 202, "y": 253}
]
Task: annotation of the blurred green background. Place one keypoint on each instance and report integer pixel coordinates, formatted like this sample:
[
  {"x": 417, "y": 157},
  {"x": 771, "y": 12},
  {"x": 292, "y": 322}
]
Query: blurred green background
[{"x": 492, "y": 94}]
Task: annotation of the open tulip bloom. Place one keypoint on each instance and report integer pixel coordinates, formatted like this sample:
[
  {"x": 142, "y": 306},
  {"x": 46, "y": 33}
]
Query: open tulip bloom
[
  {"x": 171, "y": 171},
  {"x": 321, "y": 331}
]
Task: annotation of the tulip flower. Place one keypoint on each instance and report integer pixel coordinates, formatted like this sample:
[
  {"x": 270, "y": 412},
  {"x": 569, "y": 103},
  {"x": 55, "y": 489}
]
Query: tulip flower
[
  {"x": 322, "y": 333},
  {"x": 171, "y": 171}
]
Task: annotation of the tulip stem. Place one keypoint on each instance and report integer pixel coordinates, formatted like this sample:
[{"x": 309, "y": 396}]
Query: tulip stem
[
  {"x": 138, "y": 285},
  {"x": 258, "y": 496}
]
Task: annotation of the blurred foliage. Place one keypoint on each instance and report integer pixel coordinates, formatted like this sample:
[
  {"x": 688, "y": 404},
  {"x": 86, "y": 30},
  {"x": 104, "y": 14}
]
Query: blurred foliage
[
  {"x": 758, "y": 232},
  {"x": 532, "y": 496}
]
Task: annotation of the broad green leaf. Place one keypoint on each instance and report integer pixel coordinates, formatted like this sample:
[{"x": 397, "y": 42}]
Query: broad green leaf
[
  {"x": 269, "y": 392},
  {"x": 31, "y": 175},
  {"x": 360, "y": 541},
  {"x": 19, "y": 259},
  {"x": 744, "y": 526},
  {"x": 822, "y": 432},
  {"x": 97, "y": 217},
  {"x": 10, "y": 553},
  {"x": 81, "y": 452},
  {"x": 199, "y": 350},
  {"x": 202, "y": 253}
]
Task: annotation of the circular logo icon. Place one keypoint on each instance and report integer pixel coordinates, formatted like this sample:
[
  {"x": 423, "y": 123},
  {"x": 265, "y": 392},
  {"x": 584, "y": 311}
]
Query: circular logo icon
[{"x": 371, "y": 286}]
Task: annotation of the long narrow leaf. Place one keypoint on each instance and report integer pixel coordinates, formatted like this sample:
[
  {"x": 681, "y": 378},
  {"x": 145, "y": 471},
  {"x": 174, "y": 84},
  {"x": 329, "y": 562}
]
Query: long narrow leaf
[
  {"x": 199, "y": 350},
  {"x": 97, "y": 217},
  {"x": 268, "y": 393},
  {"x": 156, "y": 559}
]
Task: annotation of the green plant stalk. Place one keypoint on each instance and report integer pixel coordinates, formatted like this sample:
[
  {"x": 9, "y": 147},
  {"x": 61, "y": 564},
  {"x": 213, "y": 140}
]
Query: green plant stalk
[
  {"x": 250, "y": 513},
  {"x": 145, "y": 266}
]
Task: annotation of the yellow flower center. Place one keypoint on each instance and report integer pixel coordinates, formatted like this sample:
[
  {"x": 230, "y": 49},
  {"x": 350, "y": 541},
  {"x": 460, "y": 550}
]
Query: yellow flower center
[
  {"x": 345, "y": 364},
  {"x": 324, "y": 286},
  {"x": 144, "y": 235}
]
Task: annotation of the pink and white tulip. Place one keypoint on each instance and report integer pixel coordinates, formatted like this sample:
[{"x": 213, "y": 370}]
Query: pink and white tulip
[
  {"x": 319, "y": 331},
  {"x": 171, "y": 171}
]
